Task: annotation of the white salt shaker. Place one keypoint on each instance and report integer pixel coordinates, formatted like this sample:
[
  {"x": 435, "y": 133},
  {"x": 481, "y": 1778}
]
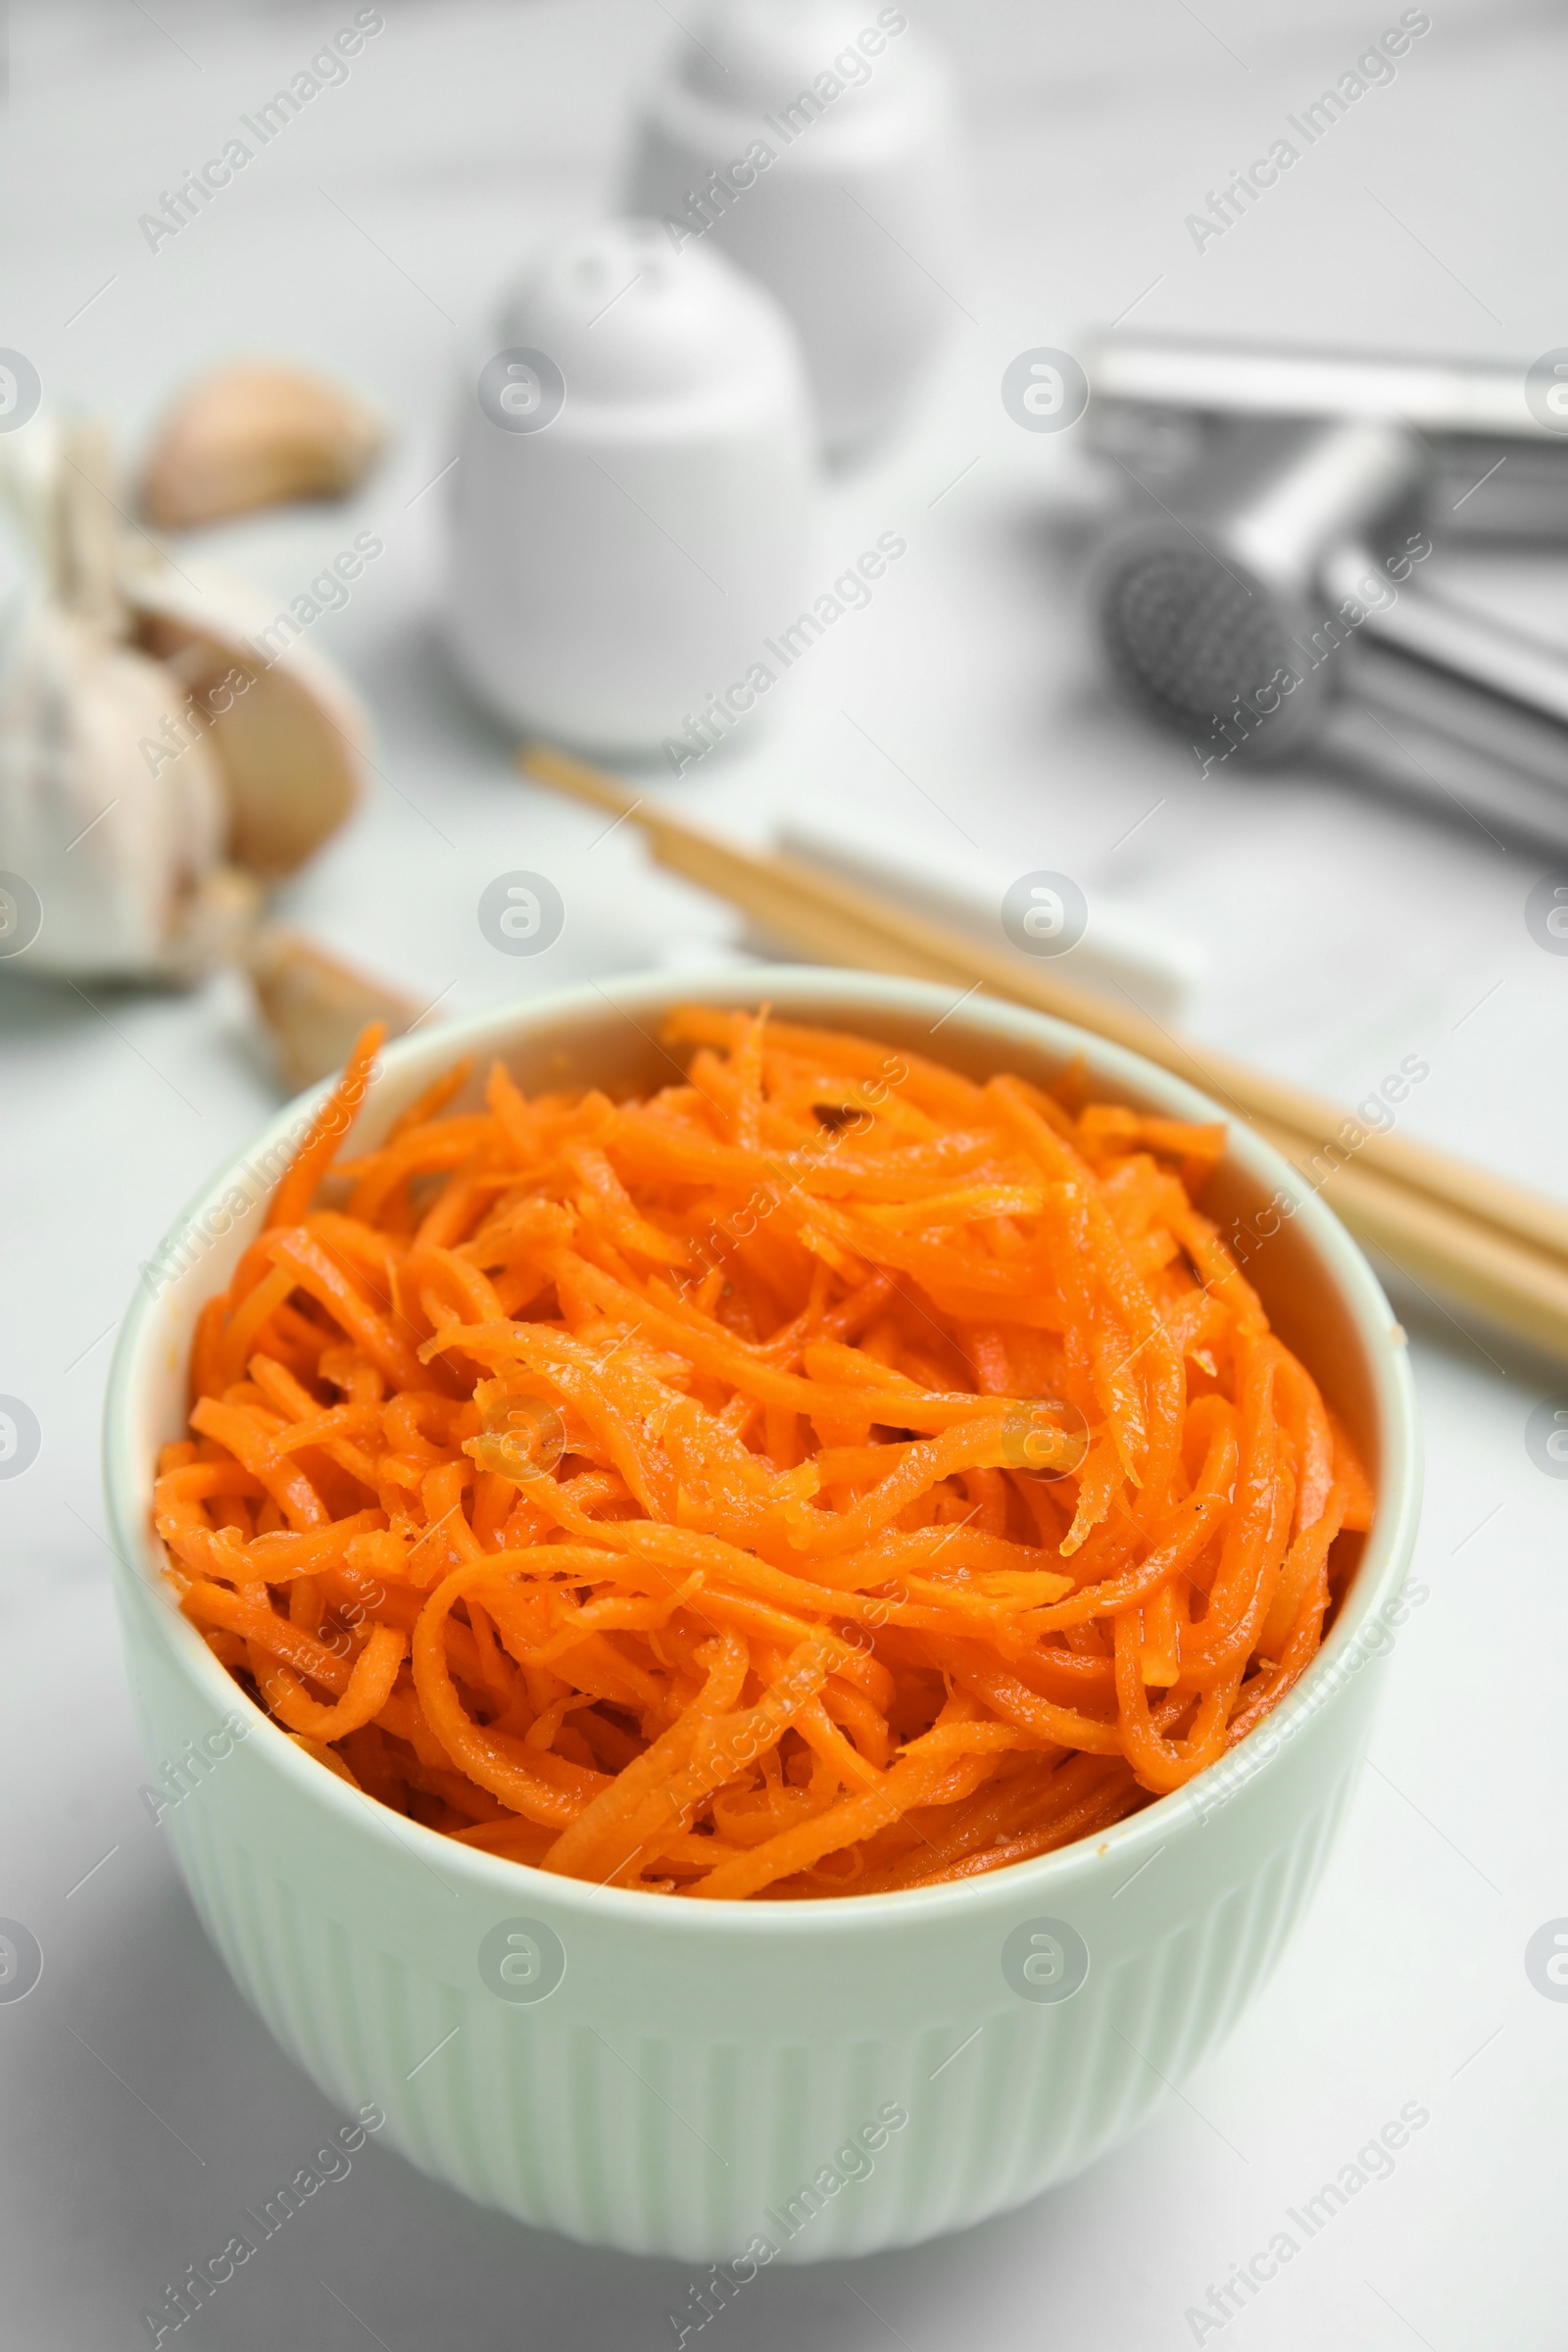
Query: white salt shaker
[
  {"x": 632, "y": 502},
  {"x": 815, "y": 142}
]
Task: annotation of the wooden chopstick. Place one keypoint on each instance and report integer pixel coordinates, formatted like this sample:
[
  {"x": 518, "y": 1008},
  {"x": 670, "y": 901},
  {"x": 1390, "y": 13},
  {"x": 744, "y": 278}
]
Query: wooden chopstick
[
  {"x": 1521, "y": 1288},
  {"x": 1492, "y": 1244}
]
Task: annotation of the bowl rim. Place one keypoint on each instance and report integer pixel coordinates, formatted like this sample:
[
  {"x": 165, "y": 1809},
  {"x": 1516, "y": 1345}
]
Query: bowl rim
[{"x": 843, "y": 996}]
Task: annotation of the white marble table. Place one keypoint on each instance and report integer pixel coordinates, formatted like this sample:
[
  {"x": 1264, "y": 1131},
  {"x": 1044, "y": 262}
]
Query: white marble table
[{"x": 142, "y": 2104}]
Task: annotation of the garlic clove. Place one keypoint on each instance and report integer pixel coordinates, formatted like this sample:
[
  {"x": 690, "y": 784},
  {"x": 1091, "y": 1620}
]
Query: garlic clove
[
  {"x": 314, "y": 1006},
  {"x": 287, "y": 733},
  {"x": 257, "y": 435}
]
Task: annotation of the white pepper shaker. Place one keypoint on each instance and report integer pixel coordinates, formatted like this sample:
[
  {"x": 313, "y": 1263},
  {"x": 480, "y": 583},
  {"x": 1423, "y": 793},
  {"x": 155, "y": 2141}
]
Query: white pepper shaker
[
  {"x": 815, "y": 142},
  {"x": 633, "y": 501}
]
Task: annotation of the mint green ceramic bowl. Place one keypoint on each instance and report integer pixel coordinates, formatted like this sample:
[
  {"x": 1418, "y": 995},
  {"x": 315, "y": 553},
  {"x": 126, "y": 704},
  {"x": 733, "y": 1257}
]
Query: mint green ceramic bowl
[{"x": 745, "y": 2082}]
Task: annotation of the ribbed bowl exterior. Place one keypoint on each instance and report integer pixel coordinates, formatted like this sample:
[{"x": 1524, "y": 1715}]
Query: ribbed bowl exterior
[{"x": 803, "y": 2081}]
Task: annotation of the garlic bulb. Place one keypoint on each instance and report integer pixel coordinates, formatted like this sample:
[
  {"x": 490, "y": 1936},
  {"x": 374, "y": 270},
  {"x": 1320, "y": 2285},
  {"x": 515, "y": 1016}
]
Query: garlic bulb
[
  {"x": 153, "y": 730},
  {"x": 162, "y": 756},
  {"x": 120, "y": 850},
  {"x": 118, "y": 854}
]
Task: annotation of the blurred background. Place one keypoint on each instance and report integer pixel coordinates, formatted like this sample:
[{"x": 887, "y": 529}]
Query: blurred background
[{"x": 1304, "y": 917}]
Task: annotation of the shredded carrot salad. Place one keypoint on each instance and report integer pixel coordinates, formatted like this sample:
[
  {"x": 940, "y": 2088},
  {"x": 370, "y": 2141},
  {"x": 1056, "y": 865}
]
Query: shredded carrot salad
[{"x": 826, "y": 1476}]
